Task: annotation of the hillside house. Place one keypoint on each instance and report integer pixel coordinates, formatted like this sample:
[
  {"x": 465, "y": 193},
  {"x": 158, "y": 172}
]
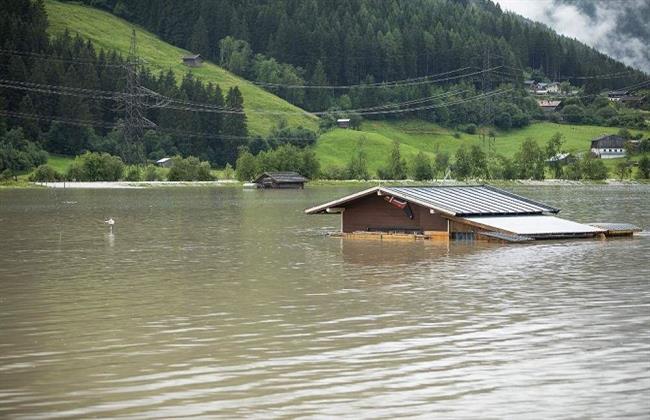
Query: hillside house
[
  {"x": 616, "y": 95},
  {"x": 546, "y": 88},
  {"x": 608, "y": 147},
  {"x": 553, "y": 87},
  {"x": 193, "y": 60},
  {"x": 547, "y": 106},
  {"x": 343, "y": 123},
  {"x": 530, "y": 84}
]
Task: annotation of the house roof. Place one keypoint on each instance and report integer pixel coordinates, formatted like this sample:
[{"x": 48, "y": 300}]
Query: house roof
[
  {"x": 629, "y": 98},
  {"x": 538, "y": 225},
  {"x": 558, "y": 158},
  {"x": 282, "y": 177},
  {"x": 343, "y": 120},
  {"x": 475, "y": 200},
  {"x": 610, "y": 140},
  {"x": 192, "y": 57},
  {"x": 549, "y": 104},
  {"x": 163, "y": 160}
]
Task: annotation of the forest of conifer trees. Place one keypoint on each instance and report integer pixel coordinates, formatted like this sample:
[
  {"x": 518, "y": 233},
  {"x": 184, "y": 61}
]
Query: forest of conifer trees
[
  {"x": 346, "y": 42},
  {"x": 64, "y": 96}
]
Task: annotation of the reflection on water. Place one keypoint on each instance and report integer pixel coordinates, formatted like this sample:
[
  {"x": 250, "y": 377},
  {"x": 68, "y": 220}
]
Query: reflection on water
[{"x": 220, "y": 302}]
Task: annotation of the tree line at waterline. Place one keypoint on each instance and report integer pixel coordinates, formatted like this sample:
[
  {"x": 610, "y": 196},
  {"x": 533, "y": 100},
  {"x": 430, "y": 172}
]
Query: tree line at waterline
[{"x": 531, "y": 161}]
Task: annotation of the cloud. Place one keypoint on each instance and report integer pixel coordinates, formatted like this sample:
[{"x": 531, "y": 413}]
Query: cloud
[{"x": 617, "y": 28}]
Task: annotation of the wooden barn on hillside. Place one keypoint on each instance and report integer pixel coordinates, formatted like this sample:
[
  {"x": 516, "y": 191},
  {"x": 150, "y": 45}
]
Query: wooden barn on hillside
[
  {"x": 193, "y": 60},
  {"x": 281, "y": 180},
  {"x": 452, "y": 212}
]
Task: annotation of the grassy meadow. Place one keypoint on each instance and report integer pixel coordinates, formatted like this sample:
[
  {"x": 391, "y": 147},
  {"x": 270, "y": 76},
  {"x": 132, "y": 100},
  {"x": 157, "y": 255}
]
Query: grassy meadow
[
  {"x": 110, "y": 32},
  {"x": 334, "y": 148},
  {"x": 60, "y": 163}
]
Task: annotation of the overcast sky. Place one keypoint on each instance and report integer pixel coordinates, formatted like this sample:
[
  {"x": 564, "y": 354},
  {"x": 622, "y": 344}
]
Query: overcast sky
[{"x": 619, "y": 28}]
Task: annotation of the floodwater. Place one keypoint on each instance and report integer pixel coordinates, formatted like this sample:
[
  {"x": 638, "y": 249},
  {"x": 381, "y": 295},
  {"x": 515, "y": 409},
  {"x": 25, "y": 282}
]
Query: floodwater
[{"x": 220, "y": 302}]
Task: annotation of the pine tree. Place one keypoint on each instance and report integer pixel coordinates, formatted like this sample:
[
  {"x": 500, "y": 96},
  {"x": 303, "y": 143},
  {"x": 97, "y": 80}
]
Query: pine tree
[
  {"x": 199, "y": 42},
  {"x": 397, "y": 165},
  {"x": 318, "y": 99},
  {"x": 422, "y": 169},
  {"x": 30, "y": 126},
  {"x": 234, "y": 125}
]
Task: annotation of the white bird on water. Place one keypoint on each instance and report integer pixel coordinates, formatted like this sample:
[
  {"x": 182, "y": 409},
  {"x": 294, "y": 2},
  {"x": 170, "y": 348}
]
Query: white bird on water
[{"x": 110, "y": 222}]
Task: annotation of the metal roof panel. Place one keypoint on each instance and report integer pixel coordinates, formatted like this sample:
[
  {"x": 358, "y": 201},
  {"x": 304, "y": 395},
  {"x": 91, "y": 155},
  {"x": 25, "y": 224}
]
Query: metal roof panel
[
  {"x": 471, "y": 200},
  {"x": 536, "y": 225}
]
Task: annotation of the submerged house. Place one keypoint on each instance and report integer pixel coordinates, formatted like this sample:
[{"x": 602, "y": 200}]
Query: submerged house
[
  {"x": 454, "y": 212},
  {"x": 283, "y": 180}
]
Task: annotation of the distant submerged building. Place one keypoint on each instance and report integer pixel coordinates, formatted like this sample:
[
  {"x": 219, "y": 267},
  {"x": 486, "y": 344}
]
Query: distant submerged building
[{"x": 281, "y": 180}]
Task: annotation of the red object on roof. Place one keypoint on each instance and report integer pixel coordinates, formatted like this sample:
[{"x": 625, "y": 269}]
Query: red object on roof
[{"x": 395, "y": 202}]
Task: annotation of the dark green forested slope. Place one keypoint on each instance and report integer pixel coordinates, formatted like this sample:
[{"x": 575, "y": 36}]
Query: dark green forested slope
[
  {"x": 64, "y": 92},
  {"x": 382, "y": 39}
]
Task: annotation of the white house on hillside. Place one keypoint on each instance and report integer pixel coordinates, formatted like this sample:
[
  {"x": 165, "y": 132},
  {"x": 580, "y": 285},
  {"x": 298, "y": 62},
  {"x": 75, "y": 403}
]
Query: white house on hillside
[{"x": 608, "y": 147}]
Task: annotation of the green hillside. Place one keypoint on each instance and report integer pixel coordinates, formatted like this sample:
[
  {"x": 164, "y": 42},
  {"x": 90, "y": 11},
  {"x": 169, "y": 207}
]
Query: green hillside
[
  {"x": 110, "y": 32},
  {"x": 335, "y": 147}
]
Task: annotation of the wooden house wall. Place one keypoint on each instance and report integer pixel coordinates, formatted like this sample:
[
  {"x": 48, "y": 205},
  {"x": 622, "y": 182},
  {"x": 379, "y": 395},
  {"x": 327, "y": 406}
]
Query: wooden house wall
[
  {"x": 457, "y": 226},
  {"x": 289, "y": 185},
  {"x": 374, "y": 213}
]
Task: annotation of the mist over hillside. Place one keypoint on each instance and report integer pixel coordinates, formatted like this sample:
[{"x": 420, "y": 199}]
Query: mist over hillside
[{"x": 619, "y": 29}]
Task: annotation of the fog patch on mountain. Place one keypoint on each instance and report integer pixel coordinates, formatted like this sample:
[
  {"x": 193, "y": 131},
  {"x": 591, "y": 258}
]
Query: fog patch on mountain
[{"x": 619, "y": 29}]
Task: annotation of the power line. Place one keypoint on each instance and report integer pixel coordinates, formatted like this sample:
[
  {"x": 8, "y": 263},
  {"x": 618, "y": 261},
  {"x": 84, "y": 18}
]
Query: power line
[
  {"x": 366, "y": 85},
  {"x": 202, "y": 107},
  {"x": 97, "y": 123},
  {"x": 378, "y": 112},
  {"x": 48, "y": 57},
  {"x": 64, "y": 120},
  {"x": 58, "y": 90},
  {"x": 615, "y": 75},
  {"x": 379, "y": 85}
]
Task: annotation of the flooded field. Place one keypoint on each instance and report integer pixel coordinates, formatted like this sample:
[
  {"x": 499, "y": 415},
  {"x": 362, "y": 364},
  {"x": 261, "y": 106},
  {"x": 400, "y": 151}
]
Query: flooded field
[{"x": 231, "y": 303}]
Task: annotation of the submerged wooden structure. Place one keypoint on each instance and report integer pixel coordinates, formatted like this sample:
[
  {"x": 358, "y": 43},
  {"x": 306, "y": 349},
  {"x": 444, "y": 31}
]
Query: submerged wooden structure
[
  {"x": 456, "y": 212},
  {"x": 282, "y": 180}
]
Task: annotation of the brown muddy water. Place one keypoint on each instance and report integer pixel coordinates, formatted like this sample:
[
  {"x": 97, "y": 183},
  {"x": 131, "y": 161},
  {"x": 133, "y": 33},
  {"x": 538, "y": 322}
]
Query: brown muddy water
[{"x": 220, "y": 302}]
